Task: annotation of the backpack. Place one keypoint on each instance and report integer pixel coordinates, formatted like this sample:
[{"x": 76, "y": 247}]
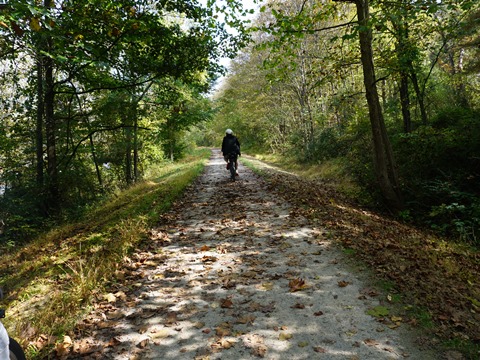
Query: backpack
[{"x": 231, "y": 145}]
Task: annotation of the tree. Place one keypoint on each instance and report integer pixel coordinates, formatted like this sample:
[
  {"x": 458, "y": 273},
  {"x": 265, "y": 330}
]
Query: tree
[{"x": 81, "y": 52}]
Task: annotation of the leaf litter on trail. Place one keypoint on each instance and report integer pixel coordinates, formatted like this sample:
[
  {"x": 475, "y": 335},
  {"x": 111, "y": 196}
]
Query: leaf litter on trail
[{"x": 256, "y": 344}]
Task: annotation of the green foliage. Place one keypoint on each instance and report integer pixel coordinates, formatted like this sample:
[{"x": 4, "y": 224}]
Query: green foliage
[
  {"x": 327, "y": 144},
  {"x": 440, "y": 169}
]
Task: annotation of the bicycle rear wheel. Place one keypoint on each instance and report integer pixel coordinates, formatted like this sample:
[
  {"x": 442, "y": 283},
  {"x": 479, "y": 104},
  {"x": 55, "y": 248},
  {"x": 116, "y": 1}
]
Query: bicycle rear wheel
[
  {"x": 233, "y": 170},
  {"x": 16, "y": 351}
]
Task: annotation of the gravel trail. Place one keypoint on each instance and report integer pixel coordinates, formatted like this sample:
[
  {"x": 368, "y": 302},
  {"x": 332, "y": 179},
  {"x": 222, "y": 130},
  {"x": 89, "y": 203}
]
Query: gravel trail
[{"x": 232, "y": 272}]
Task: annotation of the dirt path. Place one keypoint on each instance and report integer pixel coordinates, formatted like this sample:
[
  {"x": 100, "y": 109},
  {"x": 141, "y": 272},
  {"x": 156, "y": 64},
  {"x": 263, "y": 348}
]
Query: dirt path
[{"x": 234, "y": 273}]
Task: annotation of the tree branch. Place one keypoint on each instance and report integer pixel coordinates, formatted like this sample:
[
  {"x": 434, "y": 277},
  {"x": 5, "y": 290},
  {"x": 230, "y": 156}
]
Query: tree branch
[{"x": 87, "y": 137}]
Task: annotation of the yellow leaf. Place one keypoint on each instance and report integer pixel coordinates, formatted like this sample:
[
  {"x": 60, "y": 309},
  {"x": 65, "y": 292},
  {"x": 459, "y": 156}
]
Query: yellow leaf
[
  {"x": 285, "y": 336},
  {"x": 160, "y": 334},
  {"x": 267, "y": 286},
  {"x": 110, "y": 298},
  {"x": 35, "y": 24}
]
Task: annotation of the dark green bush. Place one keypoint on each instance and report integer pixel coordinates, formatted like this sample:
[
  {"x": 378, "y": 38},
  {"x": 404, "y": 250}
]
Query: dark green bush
[{"x": 440, "y": 170}]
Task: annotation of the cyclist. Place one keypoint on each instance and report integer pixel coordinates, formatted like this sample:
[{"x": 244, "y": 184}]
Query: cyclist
[{"x": 230, "y": 144}]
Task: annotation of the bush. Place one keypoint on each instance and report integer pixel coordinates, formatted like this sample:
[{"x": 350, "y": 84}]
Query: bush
[{"x": 440, "y": 170}]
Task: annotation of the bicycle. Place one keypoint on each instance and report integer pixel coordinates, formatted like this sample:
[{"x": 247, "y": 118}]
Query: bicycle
[
  {"x": 15, "y": 351},
  {"x": 232, "y": 160}
]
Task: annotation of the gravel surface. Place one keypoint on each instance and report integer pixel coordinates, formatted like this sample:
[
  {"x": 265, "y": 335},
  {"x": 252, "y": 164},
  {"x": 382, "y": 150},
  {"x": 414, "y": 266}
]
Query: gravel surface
[{"x": 232, "y": 272}]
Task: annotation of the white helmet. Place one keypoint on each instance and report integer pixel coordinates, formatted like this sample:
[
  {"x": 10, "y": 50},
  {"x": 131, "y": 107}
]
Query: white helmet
[{"x": 229, "y": 131}]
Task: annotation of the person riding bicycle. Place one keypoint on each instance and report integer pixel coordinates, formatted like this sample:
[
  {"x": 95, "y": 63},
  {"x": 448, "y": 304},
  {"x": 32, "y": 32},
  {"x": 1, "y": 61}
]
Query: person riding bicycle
[{"x": 230, "y": 144}]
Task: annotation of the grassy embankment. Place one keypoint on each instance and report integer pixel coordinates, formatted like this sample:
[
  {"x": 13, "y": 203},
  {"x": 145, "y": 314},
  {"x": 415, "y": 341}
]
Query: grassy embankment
[{"x": 51, "y": 282}]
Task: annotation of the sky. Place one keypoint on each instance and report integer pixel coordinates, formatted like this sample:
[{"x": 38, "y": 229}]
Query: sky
[{"x": 247, "y": 4}]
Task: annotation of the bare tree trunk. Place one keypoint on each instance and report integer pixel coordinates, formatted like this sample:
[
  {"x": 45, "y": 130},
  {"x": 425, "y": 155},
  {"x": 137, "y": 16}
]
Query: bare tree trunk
[{"x": 384, "y": 160}]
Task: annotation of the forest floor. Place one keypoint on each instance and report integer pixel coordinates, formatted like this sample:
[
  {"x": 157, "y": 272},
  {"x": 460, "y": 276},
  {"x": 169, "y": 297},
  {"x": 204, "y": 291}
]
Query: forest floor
[{"x": 273, "y": 267}]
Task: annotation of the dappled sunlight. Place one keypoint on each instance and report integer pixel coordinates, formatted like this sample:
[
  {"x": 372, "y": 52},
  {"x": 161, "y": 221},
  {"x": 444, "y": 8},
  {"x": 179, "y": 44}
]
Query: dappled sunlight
[{"x": 232, "y": 273}]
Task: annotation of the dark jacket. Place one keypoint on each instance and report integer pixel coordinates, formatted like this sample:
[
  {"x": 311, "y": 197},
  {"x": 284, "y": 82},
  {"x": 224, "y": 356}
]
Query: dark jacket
[{"x": 230, "y": 144}]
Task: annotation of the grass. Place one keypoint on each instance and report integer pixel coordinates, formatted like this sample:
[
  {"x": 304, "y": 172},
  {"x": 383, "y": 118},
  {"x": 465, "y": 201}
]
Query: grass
[
  {"x": 333, "y": 172},
  {"x": 52, "y": 282}
]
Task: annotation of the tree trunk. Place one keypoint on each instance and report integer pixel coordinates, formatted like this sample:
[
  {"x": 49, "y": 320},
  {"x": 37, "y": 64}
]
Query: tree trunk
[
  {"x": 39, "y": 122},
  {"x": 135, "y": 142},
  {"x": 405, "y": 102},
  {"x": 384, "y": 161},
  {"x": 94, "y": 157},
  {"x": 128, "y": 156},
  {"x": 420, "y": 95},
  {"x": 403, "y": 58},
  {"x": 50, "y": 132}
]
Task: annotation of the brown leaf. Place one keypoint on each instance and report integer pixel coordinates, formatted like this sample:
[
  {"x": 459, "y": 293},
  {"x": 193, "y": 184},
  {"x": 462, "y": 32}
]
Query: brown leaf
[
  {"x": 207, "y": 259},
  {"x": 227, "y": 303},
  {"x": 318, "y": 313},
  {"x": 171, "y": 318},
  {"x": 297, "y": 285},
  {"x": 343, "y": 283},
  {"x": 143, "y": 344},
  {"x": 298, "y": 306},
  {"x": 223, "y": 331},
  {"x": 247, "y": 319},
  {"x": 370, "y": 342},
  {"x": 319, "y": 349},
  {"x": 224, "y": 344}
]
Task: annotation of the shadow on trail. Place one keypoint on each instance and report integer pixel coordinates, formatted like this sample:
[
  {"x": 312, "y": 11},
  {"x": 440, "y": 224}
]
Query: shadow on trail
[{"x": 233, "y": 272}]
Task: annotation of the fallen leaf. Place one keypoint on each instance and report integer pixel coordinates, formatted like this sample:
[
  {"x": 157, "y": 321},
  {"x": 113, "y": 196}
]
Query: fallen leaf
[
  {"x": 298, "y": 306},
  {"x": 256, "y": 343},
  {"x": 143, "y": 344},
  {"x": 171, "y": 318},
  {"x": 285, "y": 336},
  {"x": 267, "y": 286},
  {"x": 223, "y": 331},
  {"x": 160, "y": 334},
  {"x": 297, "y": 285},
  {"x": 207, "y": 259},
  {"x": 226, "y": 304},
  {"x": 224, "y": 344},
  {"x": 247, "y": 319},
  {"x": 370, "y": 342},
  {"x": 319, "y": 349},
  {"x": 110, "y": 298},
  {"x": 343, "y": 283}
]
